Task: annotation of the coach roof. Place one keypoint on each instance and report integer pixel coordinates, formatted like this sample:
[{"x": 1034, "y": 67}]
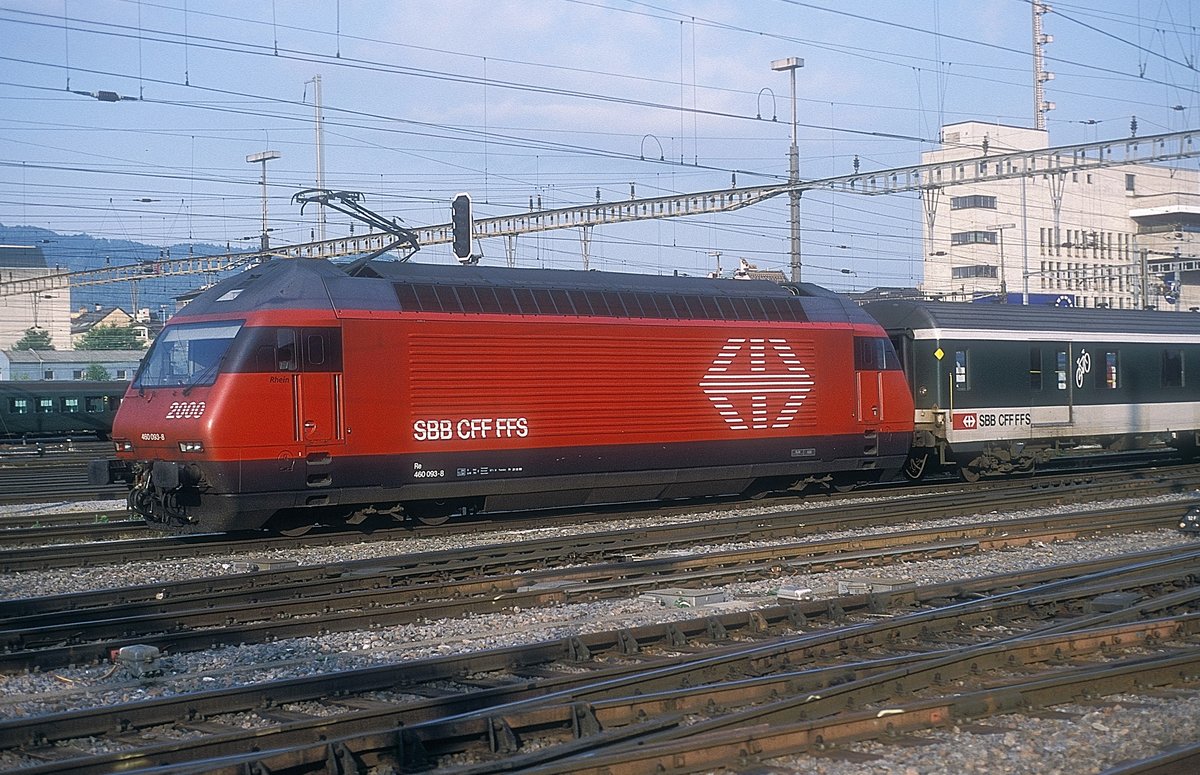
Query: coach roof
[{"x": 900, "y": 315}]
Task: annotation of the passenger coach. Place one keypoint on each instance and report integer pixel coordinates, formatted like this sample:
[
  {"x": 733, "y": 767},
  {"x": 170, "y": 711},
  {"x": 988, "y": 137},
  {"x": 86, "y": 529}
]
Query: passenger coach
[
  {"x": 999, "y": 388},
  {"x": 300, "y": 391}
]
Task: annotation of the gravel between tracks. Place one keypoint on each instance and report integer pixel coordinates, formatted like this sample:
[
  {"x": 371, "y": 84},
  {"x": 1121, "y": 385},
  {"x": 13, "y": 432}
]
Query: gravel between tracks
[{"x": 1091, "y": 740}]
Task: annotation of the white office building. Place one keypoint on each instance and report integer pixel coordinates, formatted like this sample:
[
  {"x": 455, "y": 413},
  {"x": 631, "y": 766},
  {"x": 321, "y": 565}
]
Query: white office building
[{"x": 1121, "y": 236}]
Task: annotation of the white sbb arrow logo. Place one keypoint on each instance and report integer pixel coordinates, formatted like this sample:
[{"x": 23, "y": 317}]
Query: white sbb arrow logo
[{"x": 757, "y": 383}]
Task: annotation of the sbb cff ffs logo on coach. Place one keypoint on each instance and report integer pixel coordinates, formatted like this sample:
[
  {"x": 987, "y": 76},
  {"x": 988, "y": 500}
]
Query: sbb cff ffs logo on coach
[{"x": 970, "y": 421}]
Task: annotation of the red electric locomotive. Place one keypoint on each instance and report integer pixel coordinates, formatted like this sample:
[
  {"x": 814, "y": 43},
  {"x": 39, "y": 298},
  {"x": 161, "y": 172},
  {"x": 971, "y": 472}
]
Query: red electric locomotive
[{"x": 298, "y": 392}]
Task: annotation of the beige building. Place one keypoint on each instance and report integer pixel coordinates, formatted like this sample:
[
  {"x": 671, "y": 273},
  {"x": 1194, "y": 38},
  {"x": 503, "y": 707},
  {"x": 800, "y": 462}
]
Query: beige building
[
  {"x": 1122, "y": 236},
  {"x": 50, "y": 310}
]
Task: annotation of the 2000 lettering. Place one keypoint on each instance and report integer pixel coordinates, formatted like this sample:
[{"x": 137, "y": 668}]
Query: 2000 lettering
[{"x": 183, "y": 410}]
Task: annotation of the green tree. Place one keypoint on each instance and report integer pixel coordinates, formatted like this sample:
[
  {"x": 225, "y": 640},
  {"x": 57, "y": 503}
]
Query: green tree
[
  {"x": 109, "y": 338},
  {"x": 35, "y": 339},
  {"x": 96, "y": 373}
]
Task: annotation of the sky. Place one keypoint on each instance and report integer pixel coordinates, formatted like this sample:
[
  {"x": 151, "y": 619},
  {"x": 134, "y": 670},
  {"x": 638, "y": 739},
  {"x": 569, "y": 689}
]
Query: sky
[{"x": 549, "y": 103}]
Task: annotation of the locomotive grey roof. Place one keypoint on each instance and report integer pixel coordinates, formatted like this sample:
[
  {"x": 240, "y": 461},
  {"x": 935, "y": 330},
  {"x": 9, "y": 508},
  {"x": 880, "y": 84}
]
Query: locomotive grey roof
[
  {"x": 931, "y": 319},
  {"x": 317, "y": 284}
]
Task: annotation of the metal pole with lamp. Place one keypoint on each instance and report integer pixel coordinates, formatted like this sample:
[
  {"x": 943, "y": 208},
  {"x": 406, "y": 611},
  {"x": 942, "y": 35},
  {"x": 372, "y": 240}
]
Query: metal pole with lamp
[
  {"x": 792, "y": 64},
  {"x": 264, "y": 157}
]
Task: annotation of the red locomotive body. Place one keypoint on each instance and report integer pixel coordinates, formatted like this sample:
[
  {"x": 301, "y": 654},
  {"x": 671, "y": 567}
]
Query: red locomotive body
[{"x": 299, "y": 392}]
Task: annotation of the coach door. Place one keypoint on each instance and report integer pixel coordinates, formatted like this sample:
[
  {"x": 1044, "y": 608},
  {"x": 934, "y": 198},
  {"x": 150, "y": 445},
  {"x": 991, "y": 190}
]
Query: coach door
[{"x": 317, "y": 389}]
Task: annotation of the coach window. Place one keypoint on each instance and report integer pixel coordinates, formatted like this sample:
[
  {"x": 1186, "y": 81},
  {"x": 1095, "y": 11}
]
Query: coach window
[
  {"x": 45, "y": 406},
  {"x": 70, "y": 405},
  {"x": 1172, "y": 368},
  {"x": 1106, "y": 376},
  {"x": 95, "y": 404},
  {"x": 1060, "y": 368},
  {"x": 18, "y": 406},
  {"x": 1035, "y": 368},
  {"x": 961, "y": 380}
]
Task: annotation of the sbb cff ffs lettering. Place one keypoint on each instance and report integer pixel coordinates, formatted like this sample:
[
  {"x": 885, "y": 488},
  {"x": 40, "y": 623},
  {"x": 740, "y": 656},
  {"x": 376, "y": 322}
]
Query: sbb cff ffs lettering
[{"x": 470, "y": 428}]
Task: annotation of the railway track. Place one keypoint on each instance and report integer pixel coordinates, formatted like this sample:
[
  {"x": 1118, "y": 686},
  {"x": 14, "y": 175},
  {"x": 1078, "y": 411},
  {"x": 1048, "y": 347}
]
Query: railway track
[
  {"x": 368, "y": 594},
  {"x": 354, "y": 711},
  {"x": 722, "y": 690},
  {"x": 46, "y": 548}
]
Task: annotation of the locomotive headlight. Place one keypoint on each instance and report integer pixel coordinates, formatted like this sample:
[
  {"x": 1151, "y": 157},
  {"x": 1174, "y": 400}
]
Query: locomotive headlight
[
  {"x": 190, "y": 446},
  {"x": 123, "y": 445}
]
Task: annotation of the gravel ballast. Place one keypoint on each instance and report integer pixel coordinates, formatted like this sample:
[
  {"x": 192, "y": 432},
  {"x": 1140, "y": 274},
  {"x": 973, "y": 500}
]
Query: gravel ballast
[{"x": 1134, "y": 727}]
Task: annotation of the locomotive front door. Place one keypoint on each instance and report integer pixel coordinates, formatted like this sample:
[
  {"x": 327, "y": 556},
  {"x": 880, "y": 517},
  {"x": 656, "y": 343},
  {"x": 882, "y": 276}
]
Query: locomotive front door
[
  {"x": 318, "y": 407},
  {"x": 313, "y": 355},
  {"x": 870, "y": 396}
]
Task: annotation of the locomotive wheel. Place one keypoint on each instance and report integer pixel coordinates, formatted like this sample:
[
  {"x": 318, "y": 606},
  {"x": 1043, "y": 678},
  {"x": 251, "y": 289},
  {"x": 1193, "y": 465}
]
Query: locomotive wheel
[
  {"x": 969, "y": 474},
  {"x": 431, "y": 513}
]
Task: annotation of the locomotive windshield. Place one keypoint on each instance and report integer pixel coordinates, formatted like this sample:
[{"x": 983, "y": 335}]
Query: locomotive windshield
[{"x": 186, "y": 354}]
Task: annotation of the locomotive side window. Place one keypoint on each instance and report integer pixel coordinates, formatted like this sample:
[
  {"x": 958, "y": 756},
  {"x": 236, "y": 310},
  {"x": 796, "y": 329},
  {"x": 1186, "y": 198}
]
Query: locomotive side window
[
  {"x": 1035, "y": 368},
  {"x": 18, "y": 406},
  {"x": 1106, "y": 376},
  {"x": 874, "y": 353},
  {"x": 1060, "y": 368},
  {"x": 961, "y": 378},
  {"x": 314, "y": 350},
  {"x": 285, "y": 350},
  {"x": 1172, "y": 368}
]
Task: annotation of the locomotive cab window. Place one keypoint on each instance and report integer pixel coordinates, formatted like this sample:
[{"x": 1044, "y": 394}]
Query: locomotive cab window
[
  {"x": 1172, "y": 368},
  {"x": 186, "y": 354}
]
